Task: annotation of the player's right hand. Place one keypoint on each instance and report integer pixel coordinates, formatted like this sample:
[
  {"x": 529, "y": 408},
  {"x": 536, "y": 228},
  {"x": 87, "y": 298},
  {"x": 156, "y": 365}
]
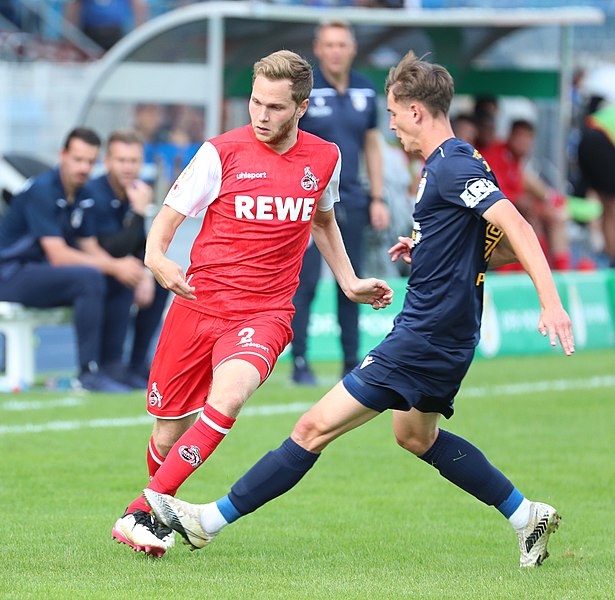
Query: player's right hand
[
  {"x": 402, "y": 249},
  {"x": 171, "y": 277}
]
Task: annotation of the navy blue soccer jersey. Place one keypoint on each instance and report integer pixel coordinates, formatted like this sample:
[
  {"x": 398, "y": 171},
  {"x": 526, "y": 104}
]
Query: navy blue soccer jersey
[
  {"x": 109, "y": 210},
  {"x": 42, "y": 210},
  {"x": 452, "y": 246},
  {"x": 343, "y": 119}
]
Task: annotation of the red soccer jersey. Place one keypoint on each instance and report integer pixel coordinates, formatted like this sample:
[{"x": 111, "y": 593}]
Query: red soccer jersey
[{"x": 259, "y": 206}]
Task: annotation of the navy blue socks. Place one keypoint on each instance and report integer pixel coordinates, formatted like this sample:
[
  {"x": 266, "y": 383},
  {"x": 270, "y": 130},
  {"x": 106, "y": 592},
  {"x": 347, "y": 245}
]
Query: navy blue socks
[
  {"x": 456, "y": 459},
  {"x": 273, "y": 475},
  {"x": 467, "y": 467}
]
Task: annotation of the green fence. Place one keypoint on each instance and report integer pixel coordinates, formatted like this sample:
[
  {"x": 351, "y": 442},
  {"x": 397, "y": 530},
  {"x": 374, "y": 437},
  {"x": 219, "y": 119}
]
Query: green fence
[{"x": 510, "y": 316}]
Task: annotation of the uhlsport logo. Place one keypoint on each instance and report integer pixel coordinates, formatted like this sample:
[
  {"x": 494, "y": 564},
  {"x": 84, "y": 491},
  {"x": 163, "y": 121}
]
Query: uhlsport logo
[
  {"x": 191, "y": 455},
  {"x": 309, "y": 181},
  {"x": 155, "y": 397},
  {"x": 248, "y": 175}
]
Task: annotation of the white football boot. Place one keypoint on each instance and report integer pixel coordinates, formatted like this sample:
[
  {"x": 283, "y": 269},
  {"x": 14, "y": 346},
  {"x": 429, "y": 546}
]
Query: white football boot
[
  {"x": 137, "y": 530},
  {"x": 533, "y": 538},
  {"x": 181, "y": 517}
]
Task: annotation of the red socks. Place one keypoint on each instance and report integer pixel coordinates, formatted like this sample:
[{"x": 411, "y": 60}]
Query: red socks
[
  {"x": 154, "y": 458},
  {"x": 191, "y": 450},
  {"x": 154, "y": 462}
]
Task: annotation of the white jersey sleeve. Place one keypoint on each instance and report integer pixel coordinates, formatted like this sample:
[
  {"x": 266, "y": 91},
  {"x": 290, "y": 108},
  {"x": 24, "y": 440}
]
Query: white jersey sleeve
[
  {"x": 331, "y": 195},
  {"x": 198, "y": 185}
]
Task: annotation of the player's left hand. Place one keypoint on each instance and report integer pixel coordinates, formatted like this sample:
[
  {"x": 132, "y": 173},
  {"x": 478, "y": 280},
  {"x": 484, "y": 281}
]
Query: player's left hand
[
  {"x": 555, "y": 322},
  {"x": 402, "y": 249},
  {"x": 371, "y": 291}
]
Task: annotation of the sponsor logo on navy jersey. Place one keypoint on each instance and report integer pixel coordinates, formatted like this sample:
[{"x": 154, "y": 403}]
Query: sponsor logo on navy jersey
[{"x": 476, "y": 190}]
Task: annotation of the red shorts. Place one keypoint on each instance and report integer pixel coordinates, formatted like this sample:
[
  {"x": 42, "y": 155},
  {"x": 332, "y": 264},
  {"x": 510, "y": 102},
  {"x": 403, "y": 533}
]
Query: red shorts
[{"x": 191, "y": 346}]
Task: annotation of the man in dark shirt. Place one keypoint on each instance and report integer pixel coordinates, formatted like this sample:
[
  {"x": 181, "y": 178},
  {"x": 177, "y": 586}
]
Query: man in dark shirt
[
  {"x": 342, "y": 110},
  {"x": 462, "y": 223},
  {"x": 49, "y": 256},
  {"x": 121, "y": 203}
]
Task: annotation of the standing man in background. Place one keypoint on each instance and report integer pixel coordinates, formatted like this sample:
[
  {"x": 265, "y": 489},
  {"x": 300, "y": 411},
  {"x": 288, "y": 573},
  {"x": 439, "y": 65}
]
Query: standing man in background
[
  {"x": 49, "y": 256},
  {"x": 596, "y": 155},
  {"x": 342, "y": 110},
  {"x": 121, "y": 202}
]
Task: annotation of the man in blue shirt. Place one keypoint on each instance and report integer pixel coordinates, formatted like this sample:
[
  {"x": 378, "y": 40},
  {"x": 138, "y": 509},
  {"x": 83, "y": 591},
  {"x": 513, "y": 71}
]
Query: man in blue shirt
[
  {"x": 463, "y": 223},
  {"x": 342, "y": 110},
  {"x": 49, "y": 256},
  {"x": 121, "y": 203}
]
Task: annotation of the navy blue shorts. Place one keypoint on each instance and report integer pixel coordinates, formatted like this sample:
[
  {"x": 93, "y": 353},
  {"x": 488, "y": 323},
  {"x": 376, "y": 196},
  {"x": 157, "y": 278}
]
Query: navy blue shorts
[{"x": 407, "y": 371}]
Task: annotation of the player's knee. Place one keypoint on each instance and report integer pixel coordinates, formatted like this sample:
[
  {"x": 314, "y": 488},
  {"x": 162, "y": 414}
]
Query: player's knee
[
  {"x": 307, "y": 432},
  {"x": 229, "y": 403},
  {"x": 417, "y": 444}
]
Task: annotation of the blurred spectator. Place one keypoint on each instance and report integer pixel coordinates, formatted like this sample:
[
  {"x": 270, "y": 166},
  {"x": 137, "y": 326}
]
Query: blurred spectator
[
  {"x": 485, "y": 131},
  {"x": 172, "y": 135},
  {"x": 540, "y": 204},
  {"x": 9, "y": 10},
  {"x": 402, "y": 173},
  {"x": 597, "y": 165},
  {"x": 464, "y": 126},
  {"x": 106, "y": 21},
  {"x": 486, "y": 105},
  {"x": 49, "y": 256},
  {"x": 122, "y": 202},
  {"x": 485, "y": 117},
  {"x": 150, "y": 122}
]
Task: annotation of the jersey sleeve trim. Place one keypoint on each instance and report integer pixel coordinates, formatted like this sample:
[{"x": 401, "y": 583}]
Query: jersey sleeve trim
[{"x": 331, "y": 194}]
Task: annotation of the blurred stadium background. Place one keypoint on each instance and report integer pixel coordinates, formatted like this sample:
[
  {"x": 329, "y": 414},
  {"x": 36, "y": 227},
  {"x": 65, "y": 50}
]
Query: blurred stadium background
[{"x": 193, "y": 60}]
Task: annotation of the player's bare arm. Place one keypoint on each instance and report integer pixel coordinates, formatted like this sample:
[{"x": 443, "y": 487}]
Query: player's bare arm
[
  {"x": 168, "y": 273},
  {"x": 503, "y": 254},
  {"x": 554, "y": 320},
  {"x": 328, "y": 238}
]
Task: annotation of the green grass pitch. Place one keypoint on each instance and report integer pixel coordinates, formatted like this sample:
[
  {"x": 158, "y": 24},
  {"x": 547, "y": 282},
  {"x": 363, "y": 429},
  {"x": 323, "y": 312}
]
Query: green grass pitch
[{"x": 369, "y": 522}]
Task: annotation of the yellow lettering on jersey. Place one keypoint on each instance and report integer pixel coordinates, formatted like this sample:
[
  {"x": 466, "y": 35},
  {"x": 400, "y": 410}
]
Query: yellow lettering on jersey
[
  {"x": 478, "y": 156},
  {"x": 493, "y": 236},
  {"x": 480, "y": 279}
]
